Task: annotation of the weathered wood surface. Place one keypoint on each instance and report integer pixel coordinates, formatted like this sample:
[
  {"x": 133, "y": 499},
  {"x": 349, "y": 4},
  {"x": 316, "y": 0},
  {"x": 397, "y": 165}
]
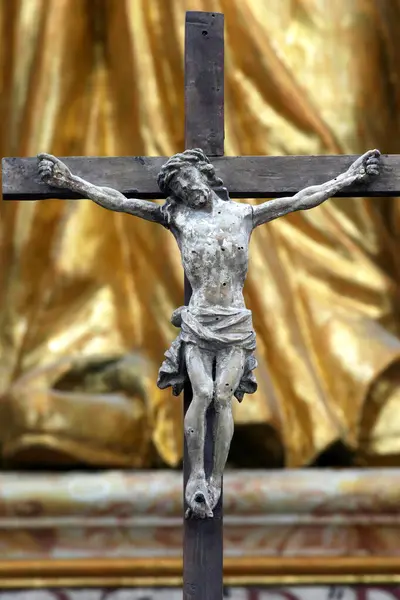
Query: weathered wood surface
[
  {"x": 244, "y": 176},
  {"x": 204, "y": 82},
  {"x": 204, "y": 128}
]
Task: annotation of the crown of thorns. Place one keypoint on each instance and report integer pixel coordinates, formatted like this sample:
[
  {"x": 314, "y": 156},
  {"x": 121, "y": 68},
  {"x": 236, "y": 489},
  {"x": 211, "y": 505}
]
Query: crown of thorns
[{"x": 188, "y": 158}]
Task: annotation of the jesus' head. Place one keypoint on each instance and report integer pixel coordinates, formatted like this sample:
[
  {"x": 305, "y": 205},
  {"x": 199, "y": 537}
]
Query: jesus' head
[{"x": 189, "y": 177}]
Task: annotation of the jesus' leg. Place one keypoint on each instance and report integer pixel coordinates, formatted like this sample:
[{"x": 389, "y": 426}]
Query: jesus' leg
[
  {"x": 229, "y": 371},
  {"x": 199, "y": 364}
]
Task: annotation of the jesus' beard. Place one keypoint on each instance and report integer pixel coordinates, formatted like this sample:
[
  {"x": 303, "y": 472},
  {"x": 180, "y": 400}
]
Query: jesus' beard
[{"x": 199, "y": 198}]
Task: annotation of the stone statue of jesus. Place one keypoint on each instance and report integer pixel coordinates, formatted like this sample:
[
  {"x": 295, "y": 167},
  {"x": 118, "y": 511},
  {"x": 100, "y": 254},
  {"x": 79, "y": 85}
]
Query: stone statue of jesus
[{"x": 215, "y": 347}]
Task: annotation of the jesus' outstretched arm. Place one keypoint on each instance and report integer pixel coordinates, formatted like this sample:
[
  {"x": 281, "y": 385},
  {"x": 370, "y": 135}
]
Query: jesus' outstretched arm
[
  {"x": 55, "y": 173},
  {"x": 361, "y": 170}
]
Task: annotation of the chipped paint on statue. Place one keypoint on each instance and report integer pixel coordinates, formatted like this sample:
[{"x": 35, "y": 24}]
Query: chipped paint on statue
[{"x": 216, "y": 343}]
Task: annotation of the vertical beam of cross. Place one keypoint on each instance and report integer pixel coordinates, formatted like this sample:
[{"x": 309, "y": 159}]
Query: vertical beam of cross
[{"x": 204, "y": 128}]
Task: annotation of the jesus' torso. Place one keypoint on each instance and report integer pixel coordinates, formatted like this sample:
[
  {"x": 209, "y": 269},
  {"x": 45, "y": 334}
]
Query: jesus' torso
[{"x": 214, "y": 244}]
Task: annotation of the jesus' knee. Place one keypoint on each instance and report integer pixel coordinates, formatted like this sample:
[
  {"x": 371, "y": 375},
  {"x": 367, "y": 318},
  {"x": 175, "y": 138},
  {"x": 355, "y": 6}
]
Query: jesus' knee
[
  {"x": 223, "y": 396},
  {"x": 202, "y": 398},
  {"x": 203, "y": 393}
]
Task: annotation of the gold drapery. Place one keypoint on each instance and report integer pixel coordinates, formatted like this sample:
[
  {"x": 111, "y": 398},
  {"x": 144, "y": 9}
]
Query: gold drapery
[{"x": 105, "y": 77}]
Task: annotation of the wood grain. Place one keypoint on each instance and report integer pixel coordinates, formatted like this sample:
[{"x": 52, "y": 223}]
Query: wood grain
[
  {"x": 204, "y": 128},
  {"x": 204, "y": 82},
  {"x": 244, "y": 176}
]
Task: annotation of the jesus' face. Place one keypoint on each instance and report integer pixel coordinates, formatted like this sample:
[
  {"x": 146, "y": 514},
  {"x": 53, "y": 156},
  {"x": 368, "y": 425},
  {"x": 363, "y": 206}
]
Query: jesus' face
[{"x": 191, "y": 187}]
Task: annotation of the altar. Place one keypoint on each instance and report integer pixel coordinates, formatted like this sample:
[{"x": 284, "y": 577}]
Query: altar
[{"x": 123, "y": 529}]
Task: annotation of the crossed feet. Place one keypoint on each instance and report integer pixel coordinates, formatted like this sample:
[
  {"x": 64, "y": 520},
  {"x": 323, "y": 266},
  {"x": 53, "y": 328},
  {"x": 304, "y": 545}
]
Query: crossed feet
[{"x": 202, "y": 496}]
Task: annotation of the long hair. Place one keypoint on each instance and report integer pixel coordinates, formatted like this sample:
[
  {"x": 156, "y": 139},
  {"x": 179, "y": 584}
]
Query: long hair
[
  {"x": 188, "y": 158},
  {"x": 175, "y": 165}
]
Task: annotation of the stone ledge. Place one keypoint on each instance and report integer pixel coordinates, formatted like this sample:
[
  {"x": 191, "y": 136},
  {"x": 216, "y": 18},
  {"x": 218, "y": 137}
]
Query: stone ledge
[{"x": 300, "y": 513}]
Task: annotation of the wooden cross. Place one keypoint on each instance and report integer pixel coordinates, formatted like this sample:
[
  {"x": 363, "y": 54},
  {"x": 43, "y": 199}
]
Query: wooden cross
[{"x": 245, "y": 177}]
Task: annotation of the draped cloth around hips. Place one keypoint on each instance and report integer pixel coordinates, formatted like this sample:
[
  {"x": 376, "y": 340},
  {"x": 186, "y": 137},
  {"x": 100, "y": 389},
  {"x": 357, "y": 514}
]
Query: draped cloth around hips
[{"x": 212, "y": 329}]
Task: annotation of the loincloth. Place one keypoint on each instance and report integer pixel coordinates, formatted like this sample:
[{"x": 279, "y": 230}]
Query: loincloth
[{"x": 211, "y": 329}]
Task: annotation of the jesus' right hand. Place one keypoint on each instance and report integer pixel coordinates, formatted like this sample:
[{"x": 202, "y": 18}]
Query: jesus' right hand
[{"x": 367, "y": 165}]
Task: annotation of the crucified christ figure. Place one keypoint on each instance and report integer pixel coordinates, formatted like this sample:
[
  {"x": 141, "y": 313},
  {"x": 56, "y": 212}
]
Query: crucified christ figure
[{"x": 216, "y": 343}]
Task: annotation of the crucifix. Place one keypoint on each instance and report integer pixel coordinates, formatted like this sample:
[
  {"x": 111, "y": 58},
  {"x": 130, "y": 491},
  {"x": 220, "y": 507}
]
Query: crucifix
[{"x": 212, "y": 358}]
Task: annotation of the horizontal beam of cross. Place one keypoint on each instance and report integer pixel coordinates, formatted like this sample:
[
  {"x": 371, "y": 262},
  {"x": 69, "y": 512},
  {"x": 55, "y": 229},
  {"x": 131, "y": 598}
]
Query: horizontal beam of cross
[{"x": 244, "y": 176}]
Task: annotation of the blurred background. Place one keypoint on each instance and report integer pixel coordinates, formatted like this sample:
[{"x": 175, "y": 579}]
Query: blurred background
[{"x": 86, "y": 294}]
